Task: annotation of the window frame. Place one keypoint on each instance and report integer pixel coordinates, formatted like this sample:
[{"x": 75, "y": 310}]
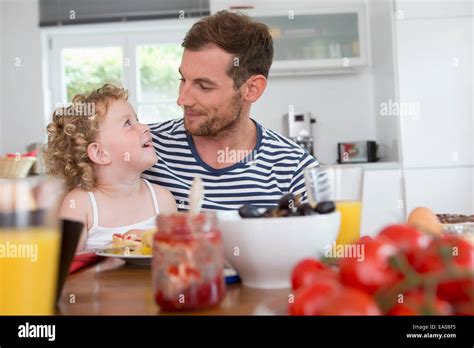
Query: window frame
[{"x": 127, "y": 35}]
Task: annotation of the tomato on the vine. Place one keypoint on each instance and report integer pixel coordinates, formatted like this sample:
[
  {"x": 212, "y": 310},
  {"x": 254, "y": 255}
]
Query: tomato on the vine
[
  {"x": 464, "y": 308},
  {"x": 405, "y": 238},
  {"x": 350, "y": 301},
  {"x": 306, "y": 272},
  {"x": 371, "y": 271},
  {"x": 449, "y": 254},
  {"x": 417, "y": 303},
  {"x": 308, "y": 300}
]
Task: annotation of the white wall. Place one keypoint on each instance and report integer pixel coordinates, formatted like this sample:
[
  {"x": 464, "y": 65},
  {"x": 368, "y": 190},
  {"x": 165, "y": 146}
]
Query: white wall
[
  {"x": 342, "y": 105},
  {"x": 2, "y": 30},
  {"x": 22, "y": 104}
]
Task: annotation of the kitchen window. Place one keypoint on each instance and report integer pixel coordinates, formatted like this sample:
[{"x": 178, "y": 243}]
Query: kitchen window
[
  {"x": 85, "y": 68},
  {"x": 158, "y": 81},
  {"x": 142, "y": 58}
]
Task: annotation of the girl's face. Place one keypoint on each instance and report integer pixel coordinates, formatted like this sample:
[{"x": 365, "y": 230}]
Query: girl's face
[{"x": 127, "y": 142}]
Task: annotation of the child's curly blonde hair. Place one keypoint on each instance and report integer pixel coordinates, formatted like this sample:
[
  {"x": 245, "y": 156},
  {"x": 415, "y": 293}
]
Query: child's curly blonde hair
[{"x": 71, "y": 131}]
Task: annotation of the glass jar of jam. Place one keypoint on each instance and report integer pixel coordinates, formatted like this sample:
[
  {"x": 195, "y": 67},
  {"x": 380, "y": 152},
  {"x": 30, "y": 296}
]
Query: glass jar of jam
[{"x": 188, "y": 262}]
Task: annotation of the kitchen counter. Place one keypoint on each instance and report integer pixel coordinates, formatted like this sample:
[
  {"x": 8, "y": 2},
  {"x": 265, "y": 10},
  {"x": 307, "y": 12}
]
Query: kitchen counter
[
  {"x": 368, "y": 166},
  {"x": 113, "y": 287}
]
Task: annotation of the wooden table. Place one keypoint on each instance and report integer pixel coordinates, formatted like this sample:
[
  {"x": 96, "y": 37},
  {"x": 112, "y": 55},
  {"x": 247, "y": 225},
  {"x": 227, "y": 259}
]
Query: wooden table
[{"x": 113, "y": 287}]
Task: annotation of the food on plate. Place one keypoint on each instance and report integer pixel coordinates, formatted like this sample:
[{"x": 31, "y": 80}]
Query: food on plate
[
  {"x": 288, "y": 205},
  {"x": 134, "y": 244},
  {"x": 402, "y": 271},
  {"x": 425, "y": 220},
  {"x": 120, "y": 240},
  {"x": 147, "y": 241}
]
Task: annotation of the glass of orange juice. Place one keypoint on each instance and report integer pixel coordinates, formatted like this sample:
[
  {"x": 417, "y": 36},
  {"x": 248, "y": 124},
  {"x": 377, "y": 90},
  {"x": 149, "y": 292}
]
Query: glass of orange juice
[
  {"x": 29, "y": 245},
  {"x": 343, "y": 185}
]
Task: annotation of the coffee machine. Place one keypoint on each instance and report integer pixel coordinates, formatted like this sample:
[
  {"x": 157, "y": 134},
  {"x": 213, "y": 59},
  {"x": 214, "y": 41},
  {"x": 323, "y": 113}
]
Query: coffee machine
[{"x": 298, "y": 127}]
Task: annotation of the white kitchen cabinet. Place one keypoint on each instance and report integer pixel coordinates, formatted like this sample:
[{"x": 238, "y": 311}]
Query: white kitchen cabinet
[
  {"x": 382, "y": 201},
  {"x": 435, "y": 73},
  {"x": 310, "y": 36},
  {"x": 444, "y": 190},
  {"x": 433, "y": 53},
  {"x": 409, "y": 9}
]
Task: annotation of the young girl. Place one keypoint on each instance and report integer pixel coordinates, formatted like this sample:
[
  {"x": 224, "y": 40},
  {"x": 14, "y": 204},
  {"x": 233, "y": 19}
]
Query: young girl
[{"x": 99, "y": 147}]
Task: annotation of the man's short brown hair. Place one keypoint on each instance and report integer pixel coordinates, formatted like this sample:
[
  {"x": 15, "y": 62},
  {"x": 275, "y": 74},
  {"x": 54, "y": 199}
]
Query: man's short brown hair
[{"x": 236, "y": 34}]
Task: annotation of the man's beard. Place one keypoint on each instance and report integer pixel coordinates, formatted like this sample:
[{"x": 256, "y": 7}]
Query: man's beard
[{"x": 218, "y": 127}]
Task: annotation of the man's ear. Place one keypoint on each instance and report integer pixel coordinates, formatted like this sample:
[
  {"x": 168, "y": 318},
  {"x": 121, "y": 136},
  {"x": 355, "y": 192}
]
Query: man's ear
[
  {"x": 254, "y": 87},
  {"x": 97, "y": 154}
]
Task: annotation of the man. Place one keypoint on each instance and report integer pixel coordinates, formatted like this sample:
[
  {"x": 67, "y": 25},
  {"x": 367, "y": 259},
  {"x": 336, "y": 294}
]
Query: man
[{"x": 224, "y": 70}]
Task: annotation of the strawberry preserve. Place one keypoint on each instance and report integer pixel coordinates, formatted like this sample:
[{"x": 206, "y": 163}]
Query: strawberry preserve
[{"x": 188, "y": 262}]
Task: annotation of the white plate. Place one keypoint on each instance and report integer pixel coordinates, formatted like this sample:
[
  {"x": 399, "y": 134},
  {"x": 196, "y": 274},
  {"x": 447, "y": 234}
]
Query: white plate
[{"x": 138, "y": 260}]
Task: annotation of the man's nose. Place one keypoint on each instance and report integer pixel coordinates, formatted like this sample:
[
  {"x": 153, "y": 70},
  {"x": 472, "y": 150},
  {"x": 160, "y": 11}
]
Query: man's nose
[{"x": 185, "y": 97}]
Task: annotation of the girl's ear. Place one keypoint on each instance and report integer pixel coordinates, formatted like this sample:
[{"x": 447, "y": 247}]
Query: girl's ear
[{"x": 97, "y": 154}]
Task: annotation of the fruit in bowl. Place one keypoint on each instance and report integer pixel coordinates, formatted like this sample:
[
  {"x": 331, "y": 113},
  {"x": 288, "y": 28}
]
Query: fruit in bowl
[
  {"x": 288, "y": 205},
  {"x": 263, "y": 250}
]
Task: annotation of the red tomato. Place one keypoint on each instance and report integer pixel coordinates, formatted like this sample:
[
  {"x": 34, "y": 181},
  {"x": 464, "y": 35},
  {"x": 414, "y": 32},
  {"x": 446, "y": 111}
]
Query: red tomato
[
  {"x": 456, "y": 290},
  {"x": 365, "y": 239},
  {"x": 464, "y": 308},
  {"x": 308, "y": 300},
  {"x": 404, "y": 237},
  {"x": 305, "y": 273},
  {"x": 462, "y": 253},
  {"x": 350, "y": 301},
  {"x": 462, "y": 257},
  {"x": 372, "y": 271},
  {"x": 416, "y": 303}
]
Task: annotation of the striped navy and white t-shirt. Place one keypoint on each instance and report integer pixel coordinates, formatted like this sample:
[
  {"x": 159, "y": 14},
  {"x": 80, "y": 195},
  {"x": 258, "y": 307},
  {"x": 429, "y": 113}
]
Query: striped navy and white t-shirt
[{"x": 274, "y": 168}]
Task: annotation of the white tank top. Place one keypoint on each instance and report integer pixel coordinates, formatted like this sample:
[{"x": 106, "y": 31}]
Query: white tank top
[{"x": 98, "y": 236}]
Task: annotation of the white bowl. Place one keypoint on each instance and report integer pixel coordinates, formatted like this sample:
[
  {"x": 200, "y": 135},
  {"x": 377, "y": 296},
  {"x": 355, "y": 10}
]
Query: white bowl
[{"x": 264, "y": 250}]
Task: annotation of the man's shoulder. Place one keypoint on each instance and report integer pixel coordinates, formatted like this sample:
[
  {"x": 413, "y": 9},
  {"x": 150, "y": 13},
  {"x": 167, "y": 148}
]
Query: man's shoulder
[
  {"x": 277, "y": 141},
  {"x": 168, "y": 128},
  {"x": 274, "y": 143}
]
